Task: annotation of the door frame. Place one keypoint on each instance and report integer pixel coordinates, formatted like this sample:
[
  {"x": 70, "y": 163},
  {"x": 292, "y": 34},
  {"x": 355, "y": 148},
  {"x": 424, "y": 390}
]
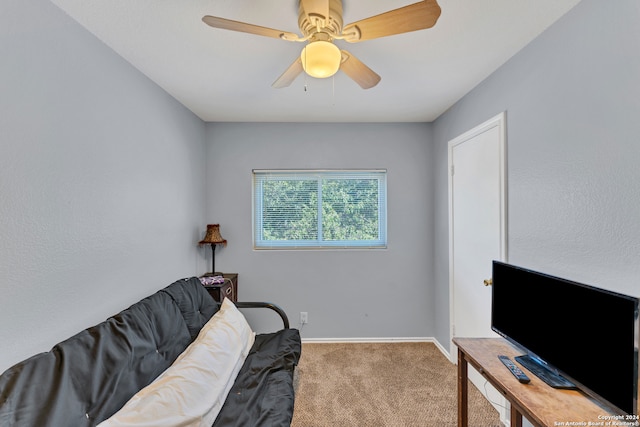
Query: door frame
[{"x": 496, "y": 121}]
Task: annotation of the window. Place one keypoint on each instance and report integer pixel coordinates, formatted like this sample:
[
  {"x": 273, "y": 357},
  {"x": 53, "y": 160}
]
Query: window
[{"x": 319, "y": 209}]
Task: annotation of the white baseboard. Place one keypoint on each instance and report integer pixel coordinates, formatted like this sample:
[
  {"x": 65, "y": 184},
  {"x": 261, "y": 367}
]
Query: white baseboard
[{"x": 378, "y": 340}]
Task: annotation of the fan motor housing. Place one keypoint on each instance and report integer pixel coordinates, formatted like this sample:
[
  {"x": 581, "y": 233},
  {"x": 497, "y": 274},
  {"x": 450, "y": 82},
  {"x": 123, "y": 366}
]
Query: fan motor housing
[{"x": 311, "y": 22}]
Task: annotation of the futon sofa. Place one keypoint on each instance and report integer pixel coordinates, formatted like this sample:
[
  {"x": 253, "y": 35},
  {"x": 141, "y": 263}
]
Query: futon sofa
[{"x": 177, "y": 355}]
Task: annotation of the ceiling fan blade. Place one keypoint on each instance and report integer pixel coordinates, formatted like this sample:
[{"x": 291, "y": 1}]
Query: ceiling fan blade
[
  {"x": 417, "y": 16},
  {"x": 227, "y": 24},
  {"x": 289, "y": 75},
  {"x": 358, "y": 72}
]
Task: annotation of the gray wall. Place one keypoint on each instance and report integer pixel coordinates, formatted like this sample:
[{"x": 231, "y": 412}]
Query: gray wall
[
  {"x": 573, "y": 101},
  {"x": 101, "y": 181},
  {"x": 347, "y": 293}
]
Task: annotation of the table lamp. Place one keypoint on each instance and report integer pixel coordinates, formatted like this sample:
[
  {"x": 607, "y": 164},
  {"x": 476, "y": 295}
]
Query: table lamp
[{"x": 213, "y": 238}]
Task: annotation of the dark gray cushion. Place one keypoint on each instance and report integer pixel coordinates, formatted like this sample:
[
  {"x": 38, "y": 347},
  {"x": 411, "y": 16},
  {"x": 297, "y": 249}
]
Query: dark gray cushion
[
  {"x": 263, "y": 393},
  {"x": 88, "y": 377},
  {"x": 194, "y": 302}
]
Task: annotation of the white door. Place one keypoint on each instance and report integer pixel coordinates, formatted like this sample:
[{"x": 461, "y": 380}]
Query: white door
[{"x": 477, "y": 231}]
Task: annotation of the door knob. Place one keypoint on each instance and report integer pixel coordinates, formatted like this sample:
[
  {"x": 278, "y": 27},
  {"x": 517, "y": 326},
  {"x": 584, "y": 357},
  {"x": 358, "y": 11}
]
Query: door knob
[{"x": 488, "y": 282}]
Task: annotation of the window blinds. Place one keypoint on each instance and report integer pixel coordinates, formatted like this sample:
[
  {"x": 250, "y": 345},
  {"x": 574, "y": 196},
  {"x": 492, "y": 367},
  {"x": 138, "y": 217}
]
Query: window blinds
[{"x": 319, "y": 209}]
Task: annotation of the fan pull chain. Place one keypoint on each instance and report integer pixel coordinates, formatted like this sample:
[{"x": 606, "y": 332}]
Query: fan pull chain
[{"x": 306, "y": 88}]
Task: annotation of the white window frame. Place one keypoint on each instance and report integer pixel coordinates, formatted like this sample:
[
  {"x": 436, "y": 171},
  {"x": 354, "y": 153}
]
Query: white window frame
[{"x": 262, "y": 175}]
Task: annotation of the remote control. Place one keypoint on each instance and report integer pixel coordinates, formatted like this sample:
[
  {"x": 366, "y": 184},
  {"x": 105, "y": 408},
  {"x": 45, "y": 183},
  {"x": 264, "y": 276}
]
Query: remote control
[{"x": 517, "y": 372}]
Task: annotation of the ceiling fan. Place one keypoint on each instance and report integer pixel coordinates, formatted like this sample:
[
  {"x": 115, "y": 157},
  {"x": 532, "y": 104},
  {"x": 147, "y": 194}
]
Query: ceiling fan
[{"x": 320, "y": 22}]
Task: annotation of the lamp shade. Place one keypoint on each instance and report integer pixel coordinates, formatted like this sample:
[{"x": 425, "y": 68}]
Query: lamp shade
[
  {"x": 321, "y": 59},
  {"x": 213, "y": 236}
]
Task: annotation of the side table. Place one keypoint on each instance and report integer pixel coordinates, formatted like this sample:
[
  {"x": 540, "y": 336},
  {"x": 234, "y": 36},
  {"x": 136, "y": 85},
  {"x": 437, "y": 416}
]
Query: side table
[{"x": 228, "y": 289}]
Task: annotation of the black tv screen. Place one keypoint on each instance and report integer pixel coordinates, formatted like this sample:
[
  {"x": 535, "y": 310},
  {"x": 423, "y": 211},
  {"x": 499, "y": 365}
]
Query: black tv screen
[{"x": 589, "y": 335}]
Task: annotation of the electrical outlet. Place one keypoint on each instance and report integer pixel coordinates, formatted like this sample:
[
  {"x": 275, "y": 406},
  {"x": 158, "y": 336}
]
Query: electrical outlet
[{"x": 304, "y": 317}]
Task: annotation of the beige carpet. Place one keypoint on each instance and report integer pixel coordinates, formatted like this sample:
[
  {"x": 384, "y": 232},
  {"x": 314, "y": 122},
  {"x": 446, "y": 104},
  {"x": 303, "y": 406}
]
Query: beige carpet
[{"x": 381, "y": 385}]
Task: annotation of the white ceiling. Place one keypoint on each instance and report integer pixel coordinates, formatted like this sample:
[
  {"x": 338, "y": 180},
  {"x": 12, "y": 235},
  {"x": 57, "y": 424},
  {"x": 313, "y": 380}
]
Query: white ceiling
[{"x": 226, "y": 75}]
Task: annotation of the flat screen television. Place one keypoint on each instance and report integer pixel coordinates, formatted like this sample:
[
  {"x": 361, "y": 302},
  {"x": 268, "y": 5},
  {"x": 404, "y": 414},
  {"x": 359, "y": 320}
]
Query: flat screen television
[{"x": 588, "y": 335}]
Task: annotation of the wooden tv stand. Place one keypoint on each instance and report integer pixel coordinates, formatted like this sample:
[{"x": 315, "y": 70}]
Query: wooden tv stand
[{"x": 540, "y": 404}]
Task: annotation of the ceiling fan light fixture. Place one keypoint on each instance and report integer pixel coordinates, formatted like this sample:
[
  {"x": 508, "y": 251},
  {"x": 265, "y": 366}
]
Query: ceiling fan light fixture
[{"x": 321, "y": 59}]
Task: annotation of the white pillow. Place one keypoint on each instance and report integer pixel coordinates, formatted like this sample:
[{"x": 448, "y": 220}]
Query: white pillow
[{"x": 193, "y": 389}]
